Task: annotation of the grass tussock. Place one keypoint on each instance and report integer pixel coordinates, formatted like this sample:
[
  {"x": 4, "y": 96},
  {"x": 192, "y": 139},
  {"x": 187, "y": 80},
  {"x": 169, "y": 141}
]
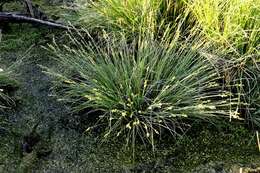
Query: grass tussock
[{"x": 144, "y": 87}]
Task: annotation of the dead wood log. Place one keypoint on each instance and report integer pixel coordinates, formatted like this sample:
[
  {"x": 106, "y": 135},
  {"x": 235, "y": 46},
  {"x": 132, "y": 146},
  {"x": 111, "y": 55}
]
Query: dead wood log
[{"x": 6, "y": 17}]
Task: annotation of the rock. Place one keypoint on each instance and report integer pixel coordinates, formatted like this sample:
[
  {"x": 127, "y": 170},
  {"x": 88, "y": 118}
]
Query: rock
[
  {"x": 243, "y": 169},
  {"x": 210, "y": 168}
]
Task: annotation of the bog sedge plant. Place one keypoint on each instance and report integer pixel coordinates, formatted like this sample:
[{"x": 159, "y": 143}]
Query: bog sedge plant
[{"x": 142, "y": 87}]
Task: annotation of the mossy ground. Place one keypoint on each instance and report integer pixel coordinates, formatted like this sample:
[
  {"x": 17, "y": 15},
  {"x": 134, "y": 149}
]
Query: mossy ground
[{"x": 63, "y": 148}]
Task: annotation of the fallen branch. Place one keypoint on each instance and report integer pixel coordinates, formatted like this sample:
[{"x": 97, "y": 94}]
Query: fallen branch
[{"x": 6, "y": 17}]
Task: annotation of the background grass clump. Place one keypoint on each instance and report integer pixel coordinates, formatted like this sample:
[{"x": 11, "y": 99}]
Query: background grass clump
[
  {"x": 131, "y": 16},
  {"x": 115, "y": 15},
  {"x": 232, "y": 24}
]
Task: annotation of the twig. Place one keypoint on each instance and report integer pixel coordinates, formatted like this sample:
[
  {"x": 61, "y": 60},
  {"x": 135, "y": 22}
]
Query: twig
[
  {"x": 16, "y": 18},
  {"x": 258, "y": 140}
]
